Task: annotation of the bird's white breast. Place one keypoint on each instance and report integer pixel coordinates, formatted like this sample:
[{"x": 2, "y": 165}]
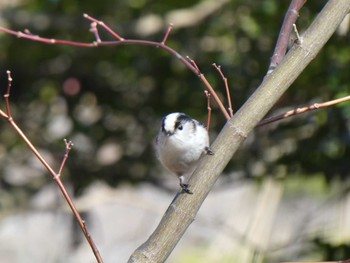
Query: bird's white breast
[{"x": 180, "y": 152}]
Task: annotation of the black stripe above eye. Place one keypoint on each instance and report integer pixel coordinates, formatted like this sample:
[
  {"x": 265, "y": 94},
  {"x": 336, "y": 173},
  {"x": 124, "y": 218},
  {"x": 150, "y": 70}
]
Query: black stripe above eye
[{"x": 181, "y": 119}]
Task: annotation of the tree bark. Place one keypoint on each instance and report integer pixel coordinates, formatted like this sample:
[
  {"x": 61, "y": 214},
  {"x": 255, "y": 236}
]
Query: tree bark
[{"x": 184, "y": 207}]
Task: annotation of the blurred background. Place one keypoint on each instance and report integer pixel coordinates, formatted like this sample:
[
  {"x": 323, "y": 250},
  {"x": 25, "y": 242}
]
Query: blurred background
[{"x": 283, "y": 197}]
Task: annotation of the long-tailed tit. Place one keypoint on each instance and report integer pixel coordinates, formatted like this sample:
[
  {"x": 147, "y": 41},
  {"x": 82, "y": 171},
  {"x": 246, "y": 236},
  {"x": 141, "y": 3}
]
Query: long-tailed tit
[{"x": 180, "y": 143}]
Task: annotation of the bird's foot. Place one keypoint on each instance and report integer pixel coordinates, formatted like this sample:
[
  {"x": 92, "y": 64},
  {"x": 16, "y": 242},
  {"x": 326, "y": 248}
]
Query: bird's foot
[
  {"x": 185, "y": 189},
  {"x": 208, "y": 151}
]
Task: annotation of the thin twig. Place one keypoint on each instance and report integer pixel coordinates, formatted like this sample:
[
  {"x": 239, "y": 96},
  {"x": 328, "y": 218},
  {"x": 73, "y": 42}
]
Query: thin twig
[
  {"x": 58, "y": 181},
  {"x": 3, "y": 115},
  {"x": 194, "y": 64},
  {"x": 210, "y": 88},
  {"x": 215, "y": 96},
  {"x": 103, "y": 25},
  {"x": 190, "y": 64},
  {"x": 297, "y": 34},
  {"x": 69, "y": 146},
  {"x": 170, "y": 28},
  {"x": 7, "y": 95},
  {"x": 32, "y": 37},
  {"x": 27, "y": 31},
  {"x": 230, "y": 109},
  {"x": 94, "y": 30},
  {"x": 298, "y": 111},
  {"x": 207, "y": 94}
]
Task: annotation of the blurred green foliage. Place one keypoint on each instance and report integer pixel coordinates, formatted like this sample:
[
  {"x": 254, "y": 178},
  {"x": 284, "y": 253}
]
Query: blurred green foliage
[{"x": 109, "y": 100}]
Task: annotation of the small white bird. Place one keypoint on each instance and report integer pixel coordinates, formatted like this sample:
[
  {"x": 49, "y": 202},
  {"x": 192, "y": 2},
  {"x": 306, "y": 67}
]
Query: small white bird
[{"x": 180, "y": 143}]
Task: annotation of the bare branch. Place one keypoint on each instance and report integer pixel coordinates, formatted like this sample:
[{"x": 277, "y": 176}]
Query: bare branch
[
  {"x": 69, "y": 146},
  {"x": 170, "y": 28},
  {"x": 284, "y": 35},
  {"x": 194, "y": 64},
  {"x": 94, "y": 30},
  {"x": 298, "y": 111},
  {"x": 56, "y": 177},
  {"x": 230, "y": 109},
  {"x": 210, "y": 88},
  {"x": 215, "y": 96},
  {"x": 104, "y": 26},
  {"x": 297, "y": 34},
  {"x": 207, "y": 94},
  {"x": 3, "y": 114},
  {"x": 29, "y": 36},
  {"x": 189, "y": 63},
  {"x": 7, "y": 95}
]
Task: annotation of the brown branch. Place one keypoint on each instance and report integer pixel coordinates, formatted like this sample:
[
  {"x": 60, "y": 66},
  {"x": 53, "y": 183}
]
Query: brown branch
[
  {"x": 104, "y": 26},
  {"x": 298, "y": 111},
  {"x": 207, "y": 94},
  {"x": 230, "y": 109},
  {"x": 121, "y": 41},
  {"x": 298, "y": 40},
  {"x": 94, "y": 30},
  {"x": 194, "y": 64},
  {"x": 3, "y": 115},
  {"x": 29, "y": 36},
  {"x": 69, "y": 146},
  {"x": 56, "y": 176},
  {"x": 170, "y": 28},
  {"x": 7, "y": 95},
  {"x": 284, "y": 35},
  {"x": 210, "y": 88}
]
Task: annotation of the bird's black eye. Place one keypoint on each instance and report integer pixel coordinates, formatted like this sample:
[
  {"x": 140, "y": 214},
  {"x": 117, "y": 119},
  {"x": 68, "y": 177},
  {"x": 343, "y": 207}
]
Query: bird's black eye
[{"x": 180, "y": 127}]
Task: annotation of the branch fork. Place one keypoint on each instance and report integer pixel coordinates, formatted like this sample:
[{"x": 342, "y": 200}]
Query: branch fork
[{"x": 56, "y": 176}]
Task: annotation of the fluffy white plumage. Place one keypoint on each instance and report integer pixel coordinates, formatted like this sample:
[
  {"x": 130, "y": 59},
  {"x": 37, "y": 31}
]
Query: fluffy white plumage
[{"x": 180, "y": 143}]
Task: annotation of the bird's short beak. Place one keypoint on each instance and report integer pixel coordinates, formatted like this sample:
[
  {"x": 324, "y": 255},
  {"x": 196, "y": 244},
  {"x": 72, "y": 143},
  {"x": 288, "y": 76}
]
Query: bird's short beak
[{"x": 168, "y": 133}]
